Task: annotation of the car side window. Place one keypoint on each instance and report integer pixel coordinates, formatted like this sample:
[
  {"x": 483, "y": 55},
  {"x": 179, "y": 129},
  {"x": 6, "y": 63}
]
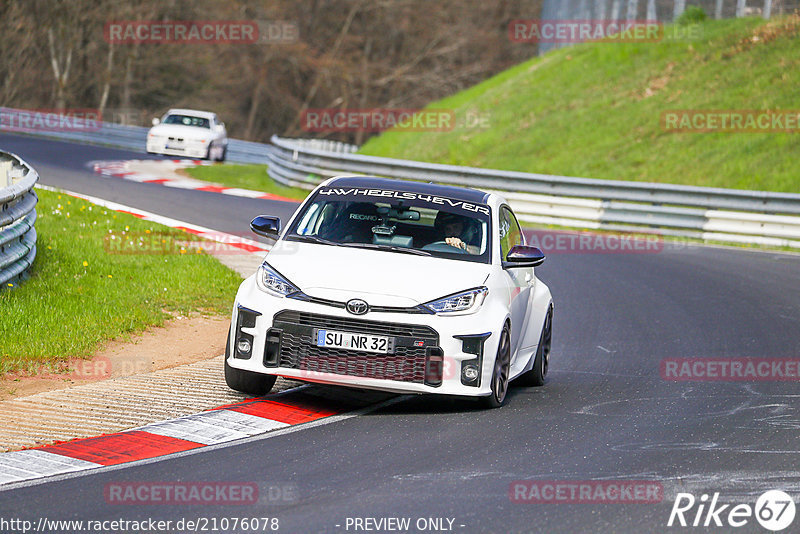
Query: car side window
[{"x": 510, "y": 232}]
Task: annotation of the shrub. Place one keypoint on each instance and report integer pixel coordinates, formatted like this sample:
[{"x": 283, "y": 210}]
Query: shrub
[{"x": 692, "y": 15}]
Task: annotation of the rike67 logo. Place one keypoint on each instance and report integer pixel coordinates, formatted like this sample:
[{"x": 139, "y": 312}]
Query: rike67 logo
[{"x": 774, "y": 510}]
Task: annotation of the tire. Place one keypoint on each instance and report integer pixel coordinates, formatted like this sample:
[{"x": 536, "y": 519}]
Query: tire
[
  {"x": 224, "y": 153},
  {"x": 535, "y": 377},
  {"x": 208, "y": 152},
  {"x": 246, "y": 381},
  {"x": 502, "y": 366}
]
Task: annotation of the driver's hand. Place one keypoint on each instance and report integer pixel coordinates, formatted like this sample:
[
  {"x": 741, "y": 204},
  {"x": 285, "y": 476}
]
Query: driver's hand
[{"x": 456, "y": 242}]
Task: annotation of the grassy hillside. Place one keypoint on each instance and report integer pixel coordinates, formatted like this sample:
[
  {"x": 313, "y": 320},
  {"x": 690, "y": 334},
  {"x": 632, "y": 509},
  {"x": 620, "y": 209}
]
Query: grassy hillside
[{"x": 594, "y": 110}]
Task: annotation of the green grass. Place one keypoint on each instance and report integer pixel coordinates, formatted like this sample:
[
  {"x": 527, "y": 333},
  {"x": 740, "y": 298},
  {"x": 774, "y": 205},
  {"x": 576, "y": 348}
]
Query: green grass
[
  {"x": 82, "y": 294},
  {"x": 253, "y": 177},
  {"x": 594, "y": 110}
]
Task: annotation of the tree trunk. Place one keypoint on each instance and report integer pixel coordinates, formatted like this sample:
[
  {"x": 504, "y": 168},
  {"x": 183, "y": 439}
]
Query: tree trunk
[
  {"x": 61, "y": 66},
  {"x": 107, "y": 81}
]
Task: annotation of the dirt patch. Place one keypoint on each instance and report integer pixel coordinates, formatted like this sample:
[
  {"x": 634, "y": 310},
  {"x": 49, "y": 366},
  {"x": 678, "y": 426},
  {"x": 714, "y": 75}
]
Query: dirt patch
[
  {"x": 766, "y": 33},
  {"x": 181, "y": 341},
  {"x": 656, "y": 84}
]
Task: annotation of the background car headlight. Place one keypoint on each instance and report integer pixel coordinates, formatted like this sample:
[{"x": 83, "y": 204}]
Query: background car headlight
[
  {"x": 461, "y": 303},
  {"x": 269, "y": 280}
]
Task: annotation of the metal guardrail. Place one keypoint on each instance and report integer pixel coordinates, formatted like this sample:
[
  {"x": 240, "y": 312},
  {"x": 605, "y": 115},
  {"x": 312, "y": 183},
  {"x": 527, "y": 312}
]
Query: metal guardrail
[
  {"x": 131, "y": 138},
  {"x": 17, "y": 217},
  {"x": 758, "y": 217}
]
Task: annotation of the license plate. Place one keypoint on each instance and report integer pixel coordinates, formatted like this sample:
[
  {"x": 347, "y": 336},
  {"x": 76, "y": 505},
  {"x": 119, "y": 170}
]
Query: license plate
[
  {"x": 351, "y": 341},
  {"x": 173, "y": 146}
]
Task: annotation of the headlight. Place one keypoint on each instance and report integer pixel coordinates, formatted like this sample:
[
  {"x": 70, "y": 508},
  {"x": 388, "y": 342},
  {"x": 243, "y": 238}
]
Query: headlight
[
  {"x": 460, "y": 303},
  {"x": 273, "y": 282}
]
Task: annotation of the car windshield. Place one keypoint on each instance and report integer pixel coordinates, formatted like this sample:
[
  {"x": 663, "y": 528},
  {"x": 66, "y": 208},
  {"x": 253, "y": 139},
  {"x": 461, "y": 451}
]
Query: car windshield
[
  {"x": 187, "y": 120},
  {"x": 396, "y": 221}
]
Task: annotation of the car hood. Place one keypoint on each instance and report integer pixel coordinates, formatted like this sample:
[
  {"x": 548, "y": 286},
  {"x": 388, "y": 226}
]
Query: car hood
[
  {"x": 381, "y": 278},
  {"x": 177, "y": 130}
]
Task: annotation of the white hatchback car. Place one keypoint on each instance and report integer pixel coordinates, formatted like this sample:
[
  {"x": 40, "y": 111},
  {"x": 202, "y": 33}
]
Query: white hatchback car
[
  {"x": 190, "y": 133},
  {"x": 397, "y": 286}
]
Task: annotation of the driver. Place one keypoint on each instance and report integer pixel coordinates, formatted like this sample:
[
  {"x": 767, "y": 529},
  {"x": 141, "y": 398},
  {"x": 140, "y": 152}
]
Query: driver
[{"x": 455, "y": 230}]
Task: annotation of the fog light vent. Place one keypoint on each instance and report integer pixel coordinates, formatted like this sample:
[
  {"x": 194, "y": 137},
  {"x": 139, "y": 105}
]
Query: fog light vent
[{"x": 434, "y": 366}]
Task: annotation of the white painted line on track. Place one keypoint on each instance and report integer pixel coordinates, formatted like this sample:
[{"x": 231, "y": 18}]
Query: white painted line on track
[{"x": 217, "y": 426}]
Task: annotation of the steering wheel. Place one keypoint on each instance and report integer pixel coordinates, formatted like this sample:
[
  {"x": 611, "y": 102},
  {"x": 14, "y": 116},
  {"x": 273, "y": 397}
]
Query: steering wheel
[{"x": 442, "y": 246}]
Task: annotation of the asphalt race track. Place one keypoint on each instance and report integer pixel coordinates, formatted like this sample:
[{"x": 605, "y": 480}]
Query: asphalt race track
[{"x": 605, "y": 412}]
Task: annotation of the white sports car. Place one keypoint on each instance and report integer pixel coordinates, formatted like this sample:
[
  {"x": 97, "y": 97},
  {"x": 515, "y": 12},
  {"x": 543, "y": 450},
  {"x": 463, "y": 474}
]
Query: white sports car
[
  {"x": 397, "y": 286},
  {"x": 190, "y": 133}
]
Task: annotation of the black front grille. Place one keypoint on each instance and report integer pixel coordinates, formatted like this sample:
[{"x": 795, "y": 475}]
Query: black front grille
[
  {"x": 408, "y": 363},
  {"x": 347, "y": 324}
]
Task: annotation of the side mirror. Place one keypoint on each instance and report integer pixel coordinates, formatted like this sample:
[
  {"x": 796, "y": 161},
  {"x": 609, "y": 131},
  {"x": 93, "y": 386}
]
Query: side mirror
[
  {"x": 266, "y": 226},
  {"x": 156, "y": 121},
  {"x": 523, "y": 256}
]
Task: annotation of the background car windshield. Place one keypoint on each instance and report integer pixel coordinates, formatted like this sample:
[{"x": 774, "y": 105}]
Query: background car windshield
[
  {"x": 416, "y": 225},
  {"x": 187, "y": 120}
]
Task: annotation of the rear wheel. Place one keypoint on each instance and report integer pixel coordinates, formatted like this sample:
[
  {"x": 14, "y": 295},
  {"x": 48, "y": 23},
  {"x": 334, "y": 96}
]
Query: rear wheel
[
  {"x": 246, "y": 381},
  {"x": 535, "y": 377},
  {"x": 502, "y": 366}
]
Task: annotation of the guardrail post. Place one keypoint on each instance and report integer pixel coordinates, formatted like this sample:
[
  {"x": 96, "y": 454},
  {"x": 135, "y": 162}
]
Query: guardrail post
[{"x": 5, "y": 174}]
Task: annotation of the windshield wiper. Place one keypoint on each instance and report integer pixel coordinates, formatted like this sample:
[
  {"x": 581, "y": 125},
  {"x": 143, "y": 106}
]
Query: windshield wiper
[
  {"x": 393, "y": 248},
  {"x": 314, "y": 239}
]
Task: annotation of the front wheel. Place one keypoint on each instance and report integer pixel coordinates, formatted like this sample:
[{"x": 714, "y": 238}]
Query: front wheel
[
  {"x": 535, "y": 377},
  {"x": 246, "y": 381},
  {"x": 502, "y": 366}
]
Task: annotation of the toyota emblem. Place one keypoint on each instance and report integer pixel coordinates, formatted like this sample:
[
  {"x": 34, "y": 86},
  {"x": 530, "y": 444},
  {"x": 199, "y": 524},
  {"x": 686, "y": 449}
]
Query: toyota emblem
[{"x": 357, "y": 307}]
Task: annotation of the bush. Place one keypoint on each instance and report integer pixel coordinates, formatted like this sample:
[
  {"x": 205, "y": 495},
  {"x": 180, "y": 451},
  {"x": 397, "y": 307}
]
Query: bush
[{"x": 692, "y": 15}]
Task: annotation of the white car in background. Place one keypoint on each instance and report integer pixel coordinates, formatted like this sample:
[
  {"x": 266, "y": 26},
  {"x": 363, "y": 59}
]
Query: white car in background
[
  {"x": 392, "y": 285},
  {"x": 189, "y": 133}
]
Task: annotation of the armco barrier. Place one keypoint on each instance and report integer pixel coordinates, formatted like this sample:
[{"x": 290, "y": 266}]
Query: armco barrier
[
  {"x": 758, "y": 217},
  {"x": 134, "y": 137},
  {"x": 17, "y": 216}
]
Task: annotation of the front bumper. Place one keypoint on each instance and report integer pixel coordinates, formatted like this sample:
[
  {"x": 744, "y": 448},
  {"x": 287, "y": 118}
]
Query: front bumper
[
  {"x": 189, "y": 149},
  {"x": 430, "y": 352}
]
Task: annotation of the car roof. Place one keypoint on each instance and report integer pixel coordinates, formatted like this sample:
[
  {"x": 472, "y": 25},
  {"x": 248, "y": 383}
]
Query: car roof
[
  {"x": 464, "y": 194},
  {"x": 195, "y": 112}
]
